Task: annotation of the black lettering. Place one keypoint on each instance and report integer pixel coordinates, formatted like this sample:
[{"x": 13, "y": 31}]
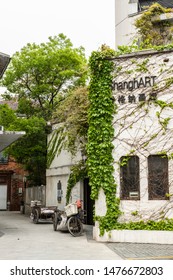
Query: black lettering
[
  {"x": 46, "y": 271},
  {"x": 67, "y": 271},
  {"x": 141, "y": 83},
  {"x": 153, "y": 78},
  {"x": 120, "y": 85},
  {"x": 130, "y": 85},
  {"x": 12, "y": 272},
  {"x": 56, "y": 272},
  {"x": 37, "y": 271},
  {"x": 148, "y": 81},
  {"x": 135, "y": 82},
  {"x": 114, "y": 85}
]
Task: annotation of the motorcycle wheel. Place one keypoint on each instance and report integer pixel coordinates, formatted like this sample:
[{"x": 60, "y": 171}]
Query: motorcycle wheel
[{"x": 35, "y": 216}]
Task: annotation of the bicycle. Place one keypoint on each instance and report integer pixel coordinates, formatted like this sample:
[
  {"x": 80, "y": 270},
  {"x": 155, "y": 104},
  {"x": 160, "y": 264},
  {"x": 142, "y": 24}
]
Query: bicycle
[{"x": 71, "y": 219}]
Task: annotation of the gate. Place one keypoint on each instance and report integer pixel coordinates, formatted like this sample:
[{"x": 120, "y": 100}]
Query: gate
[{"x": 3, "y": 197}]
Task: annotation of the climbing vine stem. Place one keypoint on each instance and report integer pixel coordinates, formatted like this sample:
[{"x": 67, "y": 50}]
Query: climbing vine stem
[
  {"x": 78, "y": 172},
  {"x": 100, "y": 135}
]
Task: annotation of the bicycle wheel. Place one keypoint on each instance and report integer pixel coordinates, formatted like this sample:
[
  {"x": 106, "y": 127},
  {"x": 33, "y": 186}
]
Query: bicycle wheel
[
  {"x": 57, "y": 221},
  {"x": 83, "y": 216},
  {"x": 75, "y": 226},
  {"x": 35, "y": 216}
]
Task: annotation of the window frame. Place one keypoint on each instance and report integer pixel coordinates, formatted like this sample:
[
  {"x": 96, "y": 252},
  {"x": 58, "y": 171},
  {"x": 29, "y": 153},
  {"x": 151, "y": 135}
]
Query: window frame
[
  {"x": 124, "y": 171},
  {"x": 152, "y": 194},
  {"x": 4, "y": 159}
]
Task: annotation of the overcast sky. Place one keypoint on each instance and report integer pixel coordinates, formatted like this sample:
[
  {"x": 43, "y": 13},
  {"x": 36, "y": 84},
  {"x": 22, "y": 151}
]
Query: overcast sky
[{"x": 87, "y": 23}]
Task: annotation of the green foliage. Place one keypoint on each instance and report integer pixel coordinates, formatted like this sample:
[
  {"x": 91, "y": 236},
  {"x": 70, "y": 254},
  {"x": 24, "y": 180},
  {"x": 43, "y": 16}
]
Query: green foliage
[
  {"x": 166, "y": 224},
  {"x": 71, "y": 133},
  {"x": 38, "y": 74},
  {"x": 7, "y": 116},
  {"x": 151, "y": 33},
  {"x": 100, "y": 135},
  {"x": 29, "y": 150},
  {"x": 78, "y": 172},
  {"x": 142, "y": 67},
  {"x": 128, "y": 49},
  {"x": 99, "y": 147},
  {"x": 134, "y": 213}
]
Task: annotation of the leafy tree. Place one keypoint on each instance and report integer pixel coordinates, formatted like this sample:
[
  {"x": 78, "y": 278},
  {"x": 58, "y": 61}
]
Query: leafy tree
[
  {"x": 40, "y": 74},
  {"x": 7, "y": 116},
  {"x": 29, "y": 150}
]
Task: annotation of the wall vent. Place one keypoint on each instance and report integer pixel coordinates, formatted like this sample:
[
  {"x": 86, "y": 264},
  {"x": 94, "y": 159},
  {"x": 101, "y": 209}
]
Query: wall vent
[{"x": 133, "y": 194}]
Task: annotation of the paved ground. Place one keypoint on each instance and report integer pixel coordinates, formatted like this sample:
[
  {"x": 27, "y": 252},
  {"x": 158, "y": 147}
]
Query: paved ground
[
  {"x": 133, "y": 251},
  {"x": 21, "y": 239}
]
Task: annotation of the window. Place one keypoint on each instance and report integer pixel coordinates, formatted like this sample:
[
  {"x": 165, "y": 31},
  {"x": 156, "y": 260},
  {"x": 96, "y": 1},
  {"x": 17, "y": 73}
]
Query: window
[
  {"x": 3, "y": 158},
  {"x": 129, "y": 177},
  {"x": 158, "y": 176}
]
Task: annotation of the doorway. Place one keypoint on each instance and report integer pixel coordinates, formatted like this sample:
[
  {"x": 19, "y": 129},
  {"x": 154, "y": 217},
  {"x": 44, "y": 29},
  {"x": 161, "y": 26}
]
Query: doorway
[
  {"x": 3, "y": 197},
  {"x": 88, "y": 202}
]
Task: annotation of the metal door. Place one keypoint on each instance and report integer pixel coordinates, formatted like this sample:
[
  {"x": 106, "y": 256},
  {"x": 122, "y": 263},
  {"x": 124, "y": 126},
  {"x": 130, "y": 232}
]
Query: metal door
[{"x": 3, "y": 197}]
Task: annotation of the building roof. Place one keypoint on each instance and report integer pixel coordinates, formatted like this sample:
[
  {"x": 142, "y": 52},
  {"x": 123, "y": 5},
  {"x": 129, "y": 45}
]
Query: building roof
[
  {"x": 8, "y": 137},
  {"x": 164, "y": 3},
  {"x": 4, "y": 61},
  {"x": 11, "y": 103}
]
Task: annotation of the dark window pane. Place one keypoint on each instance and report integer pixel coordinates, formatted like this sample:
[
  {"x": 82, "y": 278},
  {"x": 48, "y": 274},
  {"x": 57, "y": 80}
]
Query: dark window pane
[
  {"x": 129, "y": 177},
  {"x": 157, "y": 176},
  {"x": 3, "y": 158}
]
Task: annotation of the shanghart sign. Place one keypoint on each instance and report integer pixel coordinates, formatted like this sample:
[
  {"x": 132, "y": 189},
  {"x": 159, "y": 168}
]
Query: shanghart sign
[{"x": 147, "y": 81}]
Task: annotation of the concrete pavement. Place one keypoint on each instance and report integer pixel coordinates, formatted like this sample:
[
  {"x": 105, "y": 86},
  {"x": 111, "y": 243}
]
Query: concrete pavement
[{"x": 20, "y": 239}]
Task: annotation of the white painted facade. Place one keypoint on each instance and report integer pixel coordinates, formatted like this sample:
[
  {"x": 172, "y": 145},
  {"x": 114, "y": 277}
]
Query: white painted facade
[
  {"x": 60, "y": 171},
  {"x": 134, "y": 128},
  {"x": 125, "y": 15}
]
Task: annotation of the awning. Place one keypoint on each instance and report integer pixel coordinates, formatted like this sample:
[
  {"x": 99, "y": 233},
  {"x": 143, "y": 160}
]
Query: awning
[
  {"x": 164, "y": 3},
  {"x": 4, "y": 61},
  {"x": 8, "y": 137}
]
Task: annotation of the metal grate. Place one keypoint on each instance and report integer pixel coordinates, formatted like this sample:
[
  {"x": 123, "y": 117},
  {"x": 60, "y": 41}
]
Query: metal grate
[{"x": 164, "y": 3}]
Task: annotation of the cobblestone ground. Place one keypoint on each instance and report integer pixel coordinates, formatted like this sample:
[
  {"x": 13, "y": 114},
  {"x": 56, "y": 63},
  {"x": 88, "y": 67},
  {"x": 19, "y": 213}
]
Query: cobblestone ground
[{"x": 142, "y": 251}]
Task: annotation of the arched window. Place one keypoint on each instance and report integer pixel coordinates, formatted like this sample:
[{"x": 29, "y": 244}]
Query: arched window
[
  {"x": 129, "y": 177},
  {"x": 158, "y": 177}
]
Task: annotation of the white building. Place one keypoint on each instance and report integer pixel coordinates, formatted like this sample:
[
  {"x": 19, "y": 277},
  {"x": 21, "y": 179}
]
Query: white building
[
  {"x": 57, "y": 176},
  {"x": 143, "y": 133},
  {"x": 126, "y": 12},
  {"x": 143, "y": 144}
]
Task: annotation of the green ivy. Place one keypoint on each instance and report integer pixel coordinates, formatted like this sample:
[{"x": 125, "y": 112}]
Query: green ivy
[
  {"x": 166, "y": 224},
  {"x": 100, "y": 147},
  {"x": 78, "y": 172},
  {"x": 100, "y": 135}
]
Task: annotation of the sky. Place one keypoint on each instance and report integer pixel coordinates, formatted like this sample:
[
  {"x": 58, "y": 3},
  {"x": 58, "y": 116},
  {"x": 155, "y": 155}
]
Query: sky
[{"x": 87, "y": 23}]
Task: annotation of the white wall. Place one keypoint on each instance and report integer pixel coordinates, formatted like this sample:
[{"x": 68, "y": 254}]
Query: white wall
[
  {"x": 134, "y": 127},
  {"x": 124, "y": 22},
  {"x": 60, "y": 170}
]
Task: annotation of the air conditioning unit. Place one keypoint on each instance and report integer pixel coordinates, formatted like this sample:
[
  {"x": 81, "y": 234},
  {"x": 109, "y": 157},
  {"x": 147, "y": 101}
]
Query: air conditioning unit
[{"x": 133, "y": 194}]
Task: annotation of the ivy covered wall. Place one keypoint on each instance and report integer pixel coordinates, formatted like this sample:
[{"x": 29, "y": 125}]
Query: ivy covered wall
[{"x": 120, "y": 124}]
